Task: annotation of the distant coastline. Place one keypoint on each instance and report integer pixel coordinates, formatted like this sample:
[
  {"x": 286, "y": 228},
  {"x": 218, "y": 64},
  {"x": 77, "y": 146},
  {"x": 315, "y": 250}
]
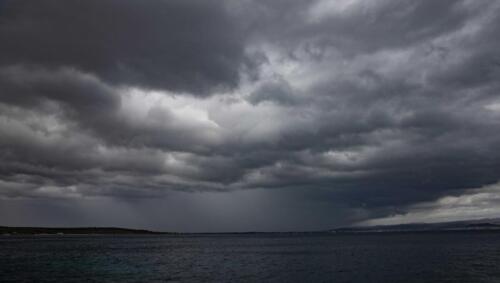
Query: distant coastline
[
  {"x": 76, "y": 231},
  {"x": 455, "y": 226}
]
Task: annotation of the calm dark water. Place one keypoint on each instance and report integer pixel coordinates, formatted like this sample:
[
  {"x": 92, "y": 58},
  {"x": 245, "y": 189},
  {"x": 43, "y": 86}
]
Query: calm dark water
[{"x": 437, "y": 257}]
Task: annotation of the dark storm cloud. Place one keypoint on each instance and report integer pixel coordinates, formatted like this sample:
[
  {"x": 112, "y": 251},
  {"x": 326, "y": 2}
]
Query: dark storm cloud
[
  {"x": 413, "y": 133},
  {"x": 191, "y": 46},
  {"x": 92, "y": 105},
  {"x": 364, "y": 108},
  {"x": 354, "y": 26}
]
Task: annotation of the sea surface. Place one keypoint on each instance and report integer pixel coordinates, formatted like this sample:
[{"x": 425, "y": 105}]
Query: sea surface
[{"x": 418, "y": 257}]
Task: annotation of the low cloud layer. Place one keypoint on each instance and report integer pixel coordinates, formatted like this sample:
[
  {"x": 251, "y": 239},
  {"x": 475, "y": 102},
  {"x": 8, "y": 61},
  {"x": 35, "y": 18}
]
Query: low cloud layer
[
  {"x": 475, "y": 204},
  {"x": 363, "y": 109}
]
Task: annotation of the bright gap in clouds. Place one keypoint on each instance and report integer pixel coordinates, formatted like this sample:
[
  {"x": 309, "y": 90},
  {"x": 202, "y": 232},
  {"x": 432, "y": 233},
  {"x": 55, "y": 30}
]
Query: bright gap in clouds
[{"x": 473, "y": 204}]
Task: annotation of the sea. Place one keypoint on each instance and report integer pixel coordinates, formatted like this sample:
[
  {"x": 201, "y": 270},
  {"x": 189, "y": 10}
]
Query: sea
[{"x": 283, "y": 257}]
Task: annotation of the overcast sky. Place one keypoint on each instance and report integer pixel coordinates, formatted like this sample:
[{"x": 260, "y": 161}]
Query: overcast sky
[{"x": 241, "y": 115}]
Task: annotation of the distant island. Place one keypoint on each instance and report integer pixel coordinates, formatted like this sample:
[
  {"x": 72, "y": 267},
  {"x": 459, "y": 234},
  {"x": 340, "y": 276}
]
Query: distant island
[
  {"x": 75, "y": 231},
  {"x": 466, "y": 225}
]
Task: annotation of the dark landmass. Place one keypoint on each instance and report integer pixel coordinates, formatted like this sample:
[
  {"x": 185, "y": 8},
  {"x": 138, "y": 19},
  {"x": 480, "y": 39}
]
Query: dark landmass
[
  {"x": 468, "y": 225},
  {"x": 75, "y": 231}
]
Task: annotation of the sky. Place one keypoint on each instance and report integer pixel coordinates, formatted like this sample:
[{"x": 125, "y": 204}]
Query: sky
[{"x": 248, "y": 115}]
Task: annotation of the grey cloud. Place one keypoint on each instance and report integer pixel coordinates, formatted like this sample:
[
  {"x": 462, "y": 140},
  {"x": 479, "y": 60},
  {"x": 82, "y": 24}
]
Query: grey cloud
[
  {"x": 363, "y": 27},
  {"x": 478, "y": 203},
  {"x": 191, "y": 46},
  {"x": 276, "y": 91},
  {"x": 92, "y": 105},
  {"x": 364, "y": 112}
]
